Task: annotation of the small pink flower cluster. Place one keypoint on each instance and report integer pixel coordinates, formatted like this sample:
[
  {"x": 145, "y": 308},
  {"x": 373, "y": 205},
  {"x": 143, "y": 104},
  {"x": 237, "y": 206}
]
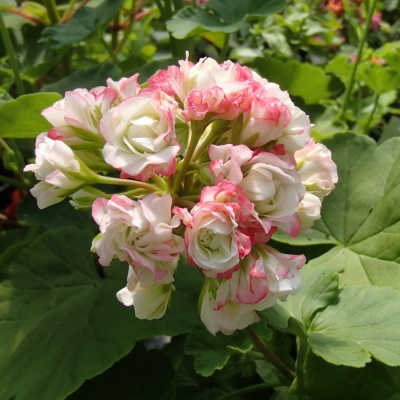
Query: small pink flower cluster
[{"x": 213, "y": 160}]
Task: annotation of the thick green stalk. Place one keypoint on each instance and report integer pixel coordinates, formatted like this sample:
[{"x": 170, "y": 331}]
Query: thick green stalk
[
  {"x": 371, "y": 116},
  {"x": 270, "y": 355},
  {"x": 11, "y": 56},
  {"x": 127, "y": 31},
  {"x": 350, "y": 84},
  {"x": 68, "y": 11},
  {"x": 194, "y": 139},
  {"x": 126, "y": 182},
  {"x": 52, "y": 10}
]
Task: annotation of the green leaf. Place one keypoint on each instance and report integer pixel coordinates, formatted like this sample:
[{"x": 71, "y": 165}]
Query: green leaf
[
  {"x": 213, "y": 352},
  {"x": 363, "y": 217},
  {"x": 191, "y": 21},
  {"x": 319, "y": 287},
  {"x": 294, "y": 77},
  {"x": 392, "y": 129},
  {"x": 21, "y": 118},
  {"x": 362, "y": 213},
  {"x": 132, "y": 377},
  {"x": 321, "y": 380},
  {"x": 86, "y": 22},
  {"x": 362, "y": 322},
  {"x": 58, "y": 215},
  {"x": 341, "y": 66},
  {"x": 225, "y": 17},
  {"x": 90, "y": 78},
  {"x": 379, "y": 78},
  {"x": 236, "y": 10},
  {"x": 53, "y": 302}
]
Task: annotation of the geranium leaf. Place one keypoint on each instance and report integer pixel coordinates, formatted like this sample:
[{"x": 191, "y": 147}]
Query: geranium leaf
[
  {"x": 213, "y": 352},
  {"x": 293, "y": 76},
  {"x": 362, "y": 213},
  {"x": 225, "y": 17},
  {"x": 61, "y": 319},
  {"x": 322, "y": 380},
  {"x": 21, "y": 118},
  {"x": 86, "y": 22},
  {"x": 362, "y": 322}
]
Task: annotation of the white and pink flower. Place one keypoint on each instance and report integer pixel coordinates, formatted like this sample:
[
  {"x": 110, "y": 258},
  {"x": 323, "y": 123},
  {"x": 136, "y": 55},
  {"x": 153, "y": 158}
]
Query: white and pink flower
[
  {"x": 139, "y": 232},
  {"x": 220, "y": 229},
  {"x": 140, "y": 136},
  {"x": 317, "y": 170},
  {"x": 59, "y": 171},
  {"x": 76, "y": 117},
  {"x": 150, "y": 300},
  {"x": 270, "y": 181},
  {"x": 263, "y": 277}
]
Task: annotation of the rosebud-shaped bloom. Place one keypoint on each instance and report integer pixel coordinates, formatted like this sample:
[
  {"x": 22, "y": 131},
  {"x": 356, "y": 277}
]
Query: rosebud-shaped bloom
[
  {"x": 208, "y": 88},
  {"x": 220, "y": 229},
  {"x": 140, "y": 136},
  {"x": 317, "y": 170},
  {"x": 270, "y": 181},
  {"x": 76, "y": 117},
  {"x": 296, "y": 133},
  {"x": 264, "y": 276},
  {"x": 150, "y": 301},
  {"x": 58, "y": 169},
  {"x": 267, "y": 275},
  {"x": 212, "y": 239},
  {"x": 230, "y": 317},
  {"x": 139, "y": 232},
  {"x": 309, "y": 210},
  {"x": 264, "y": 122},
  {"x": 125, "y": 87}
]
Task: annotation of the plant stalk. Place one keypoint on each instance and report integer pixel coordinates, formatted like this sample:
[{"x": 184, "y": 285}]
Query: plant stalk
[
  {"x": 350, "y": 84},
  {"x": 269, "y": 354},
  {"x": 371, "y": 116},
  {"x": 11, "y": 56},
  {"x": 52, "y": 10}
]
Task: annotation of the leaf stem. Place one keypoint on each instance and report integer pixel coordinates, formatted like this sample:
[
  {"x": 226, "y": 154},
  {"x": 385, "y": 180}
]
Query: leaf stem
[
  {"x": 364, "y": 36},
  {"x": 269, "y": 354},
  {"x": 194, "y": 139},
  {"x": 371, "y": 116},
  {"x": 68, "y": 11},
  {"x": 248, "y": 389},
  {"x": 52, "y": 10},
  {"x": 11, "y": 56},
  {"x": 126, "y": 182}
]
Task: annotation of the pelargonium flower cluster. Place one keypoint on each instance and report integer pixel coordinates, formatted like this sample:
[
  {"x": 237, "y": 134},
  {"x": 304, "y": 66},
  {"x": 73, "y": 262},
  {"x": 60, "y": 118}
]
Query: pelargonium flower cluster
[{"x": 212, "y": 160}]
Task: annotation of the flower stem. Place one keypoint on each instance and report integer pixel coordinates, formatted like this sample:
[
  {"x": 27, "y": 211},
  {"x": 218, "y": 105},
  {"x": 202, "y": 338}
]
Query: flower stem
[
  {"x": 52, "y": 10},
  {"x": 194, "y": 139},
  {"x": 269, "y": 354},
  {"x": 371, "y": 116},
  {"x": 126, "y": 182},
  {"x": 217, "y": 128},
  {"x": 66, "y": 16},
  {"x": 350, "y": 84},
  {"x": 248, "y": 389},
  {"x": 11, "y": 56}
]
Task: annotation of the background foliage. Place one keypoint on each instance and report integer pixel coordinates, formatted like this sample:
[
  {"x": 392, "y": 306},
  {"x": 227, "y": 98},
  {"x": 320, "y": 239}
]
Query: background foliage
[{"x": 63, "y": 334}]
